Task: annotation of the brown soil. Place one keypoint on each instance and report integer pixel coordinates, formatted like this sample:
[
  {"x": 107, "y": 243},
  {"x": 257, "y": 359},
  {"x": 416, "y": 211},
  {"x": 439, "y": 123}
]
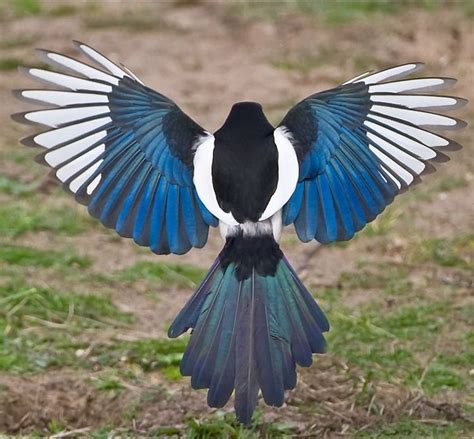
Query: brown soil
[{"x": 329, "y": 398}]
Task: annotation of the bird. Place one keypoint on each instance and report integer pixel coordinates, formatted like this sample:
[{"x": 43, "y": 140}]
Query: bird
[{"x": 147, "y": 170}]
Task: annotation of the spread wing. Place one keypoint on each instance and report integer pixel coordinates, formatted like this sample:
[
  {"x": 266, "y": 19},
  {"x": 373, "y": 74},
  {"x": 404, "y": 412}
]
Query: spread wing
[
  {"x": 123, "y": 149},
  {"x": 361, "y": 144}
]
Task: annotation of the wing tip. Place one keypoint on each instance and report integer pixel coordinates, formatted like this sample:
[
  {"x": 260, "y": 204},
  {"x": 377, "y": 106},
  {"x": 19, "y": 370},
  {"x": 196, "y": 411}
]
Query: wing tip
[
  {"x": 452, "y": 146},
  {"x": 21, "y": 118},
  {"x": 29, "y": 141},
  {"x": 18, "y": 94}
]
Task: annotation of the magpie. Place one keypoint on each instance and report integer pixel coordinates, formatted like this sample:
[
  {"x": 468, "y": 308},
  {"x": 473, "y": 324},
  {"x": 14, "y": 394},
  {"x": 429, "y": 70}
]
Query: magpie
[{"x": 146, "y": 169}]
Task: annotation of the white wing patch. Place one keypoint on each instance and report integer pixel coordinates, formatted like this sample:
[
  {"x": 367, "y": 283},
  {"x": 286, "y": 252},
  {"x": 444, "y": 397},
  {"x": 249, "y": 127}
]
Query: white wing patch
[
  {"x": 81, "y": 118},
  {"x": 63, "y": 98},
  {"x": 396, "y": 121},
  {"x": 288, "y": 172},
  {"x": 202, "y": 178}
]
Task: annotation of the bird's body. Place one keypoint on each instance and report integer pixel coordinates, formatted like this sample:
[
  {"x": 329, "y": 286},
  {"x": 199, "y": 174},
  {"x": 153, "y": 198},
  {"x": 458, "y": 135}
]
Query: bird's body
[
  {"x": 146, "y": 169},
  {"x": 245, "y": 163}
]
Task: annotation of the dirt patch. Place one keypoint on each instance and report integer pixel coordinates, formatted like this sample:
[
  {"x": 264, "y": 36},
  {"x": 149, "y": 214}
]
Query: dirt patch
[
  {"x": 330, "y": 399},
  {"x": 32, "y": 404}
]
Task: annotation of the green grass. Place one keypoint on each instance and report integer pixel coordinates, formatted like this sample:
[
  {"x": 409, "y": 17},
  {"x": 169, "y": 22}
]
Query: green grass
[
  {"x": 63, "y": 10},
  {"x": 17, "y": 218},
  {"x": 108, "y": 382},
  {"x": 221, "y": 425},
  {"x": 383, "y": 224},
  {"x": 385, "y": 344},
  {"x": 304, "y": 63},
  {"x": 12, "y": 186},
  {"x": 391, "y": 278},
  {"x": 25, "y": 7},
  {"x": 407, "y": 428},
  {"x": 10, "y": 63},
  {"x": 27, "y": 256},
  {"x": 41, "y": 328},
  {"x": 150, "y": 354},
  {"x": 335, "y": 12},
  {"x": 11, "y": 42},
  {"x": 456, "y": 252},
  {"x": 163, "y": 273},
  {"x": 140, "y": 19}
]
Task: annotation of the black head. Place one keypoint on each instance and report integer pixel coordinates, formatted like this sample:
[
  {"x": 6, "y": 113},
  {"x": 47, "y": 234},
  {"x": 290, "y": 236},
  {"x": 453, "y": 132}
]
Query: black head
[{"x": 246, "y": 120}]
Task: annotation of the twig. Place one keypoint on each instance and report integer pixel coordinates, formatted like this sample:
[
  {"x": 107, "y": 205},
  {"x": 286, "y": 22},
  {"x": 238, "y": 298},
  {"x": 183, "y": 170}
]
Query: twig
[{"x": 69, "y": 433}]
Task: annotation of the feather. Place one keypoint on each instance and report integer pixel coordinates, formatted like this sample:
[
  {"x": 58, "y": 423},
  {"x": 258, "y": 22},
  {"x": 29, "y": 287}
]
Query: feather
[{"x": 249, "y": 332}]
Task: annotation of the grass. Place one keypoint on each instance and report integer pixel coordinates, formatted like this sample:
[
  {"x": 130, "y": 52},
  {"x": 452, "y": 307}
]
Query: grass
[
  {"x": 387, "y": 345},
  {"x": 18, "y": 188},
  {"x": 25, "y": 7},
  {"x": 163, "y": 273},
  {"x": 338, "y": 11},
  {"x": 306, "y": 62},
  {"x": 151, "y": 354},
  {"x": 133, "y": 20},
  {"x": 17, "y": 41},
  {"x": 27, "y": 256},
  {"x": 456, "y": 252},
  {"x": 108, "y": 382},
  {"x": 10, "y": 63},
  {"x": 408, "y": 428},
  {"x": 405, "y": 333},
  {"x": 40, "y": 328},
  {"x": 17, "y": 218}
]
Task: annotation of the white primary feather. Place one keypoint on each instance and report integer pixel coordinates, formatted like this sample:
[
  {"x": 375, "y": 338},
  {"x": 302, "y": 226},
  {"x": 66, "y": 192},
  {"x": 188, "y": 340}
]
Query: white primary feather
[
  {"x": 55, "y": 137},
  {"x": 64, "y": 153},
  {"x": 394, "y": 166},
  {"x": 363, "y": 75},
  {"x": 75, "y": 184},
  {"x": 409, "y": 161},
  {"x": 81, "y": 68},
  {"x": 414, "y": 116},
  {"x": 61, "y": 116},
  {"x": 102, "y": 60},
  {"x": 70, "y": 82},
  {"x": 416, "y": 101},
  {"x": 429, "y": 139},
  {"x": 72, "y": 168},
  {"x": 418, "y": 85},
  {"x": 391, "y": 73},
  {"x": 392, "y": 177},
  {"x": 92, "y": 186},
  {"x": 411, "y": 145},
  {"x": 288, "y": 172},
  {"x": 63, "y": 98}
]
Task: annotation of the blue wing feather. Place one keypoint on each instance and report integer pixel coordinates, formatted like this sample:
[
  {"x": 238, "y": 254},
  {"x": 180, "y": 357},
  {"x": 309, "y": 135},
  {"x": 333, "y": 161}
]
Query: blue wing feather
[
  {"x": 347, "y": 174},
  {"x": 145, "y": 150}
]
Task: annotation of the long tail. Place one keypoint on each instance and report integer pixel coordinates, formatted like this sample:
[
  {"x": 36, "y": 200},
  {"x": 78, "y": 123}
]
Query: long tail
[{"x": 253, "y": 321}]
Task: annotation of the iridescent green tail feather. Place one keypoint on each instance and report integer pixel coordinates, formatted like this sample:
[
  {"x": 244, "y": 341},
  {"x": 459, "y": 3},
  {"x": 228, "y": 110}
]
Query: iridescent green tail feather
[{"x": 249, "y": 334}]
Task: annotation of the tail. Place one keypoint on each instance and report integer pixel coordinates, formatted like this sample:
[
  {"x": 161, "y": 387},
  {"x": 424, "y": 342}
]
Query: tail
[{"x": 253, "y": 321}]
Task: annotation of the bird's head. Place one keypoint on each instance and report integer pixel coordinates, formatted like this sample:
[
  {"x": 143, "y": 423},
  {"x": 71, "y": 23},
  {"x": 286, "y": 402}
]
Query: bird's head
[{"x": 246, "y": 120}]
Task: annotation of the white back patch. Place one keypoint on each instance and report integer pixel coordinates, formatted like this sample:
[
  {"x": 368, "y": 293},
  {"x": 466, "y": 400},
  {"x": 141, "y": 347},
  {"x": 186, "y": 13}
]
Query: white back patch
[{"x": 288, "y": 173}]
